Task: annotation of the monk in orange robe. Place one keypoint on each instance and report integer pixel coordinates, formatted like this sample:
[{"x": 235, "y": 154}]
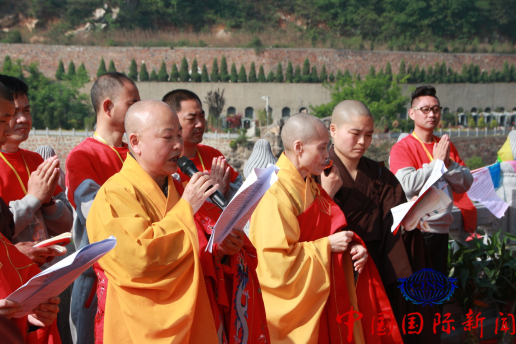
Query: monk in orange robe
[
  {"x": 155, "y": 292},
  {"x": 305, "y": 258},
  {"x": 16, "y": 268},
  {"x": 230, "y": 271}
]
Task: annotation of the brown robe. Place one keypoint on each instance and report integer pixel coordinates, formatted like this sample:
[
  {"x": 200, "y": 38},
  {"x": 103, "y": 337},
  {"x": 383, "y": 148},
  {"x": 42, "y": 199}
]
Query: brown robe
[
  {"x": 6, "y": 221},
  {"x": 366, "y": 203}
]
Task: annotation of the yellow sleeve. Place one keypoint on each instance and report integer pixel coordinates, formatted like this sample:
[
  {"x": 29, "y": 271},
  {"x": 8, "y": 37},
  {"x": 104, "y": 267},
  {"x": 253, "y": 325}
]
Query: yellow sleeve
[
  {"x": 294, "y": 276},
  {"x": 156, "y": 292}
]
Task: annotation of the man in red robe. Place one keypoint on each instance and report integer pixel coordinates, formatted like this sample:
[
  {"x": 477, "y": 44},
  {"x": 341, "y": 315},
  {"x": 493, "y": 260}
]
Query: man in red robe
[
  {"x": 16, "y": 269},
  {"x": 412, "y": 161},
  {"x": 229, "y": 272},
  {"x": 38, "y": 204},
  {"x": 88, "y": 167}
]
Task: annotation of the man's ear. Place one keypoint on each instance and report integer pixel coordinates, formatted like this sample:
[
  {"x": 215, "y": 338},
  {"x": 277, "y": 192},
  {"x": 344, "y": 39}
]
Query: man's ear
[
  {"x": 298, "y": 147},
  {"x": 411, "y": 114},
  {"x": 333, "y": 130},
  {"x": 107, "y": 106},
  {"x": 134, "y": 143}
]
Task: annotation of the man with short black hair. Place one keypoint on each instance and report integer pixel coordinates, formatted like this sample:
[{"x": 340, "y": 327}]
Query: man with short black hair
[
  {"x": 88, "y": 167},
  {"x": 28, "y": 184},
  {"x": 412, "y": 161}
]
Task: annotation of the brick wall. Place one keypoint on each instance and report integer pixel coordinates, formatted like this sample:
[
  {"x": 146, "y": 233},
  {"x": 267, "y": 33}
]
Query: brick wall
[{"x": 48, "y": 57}]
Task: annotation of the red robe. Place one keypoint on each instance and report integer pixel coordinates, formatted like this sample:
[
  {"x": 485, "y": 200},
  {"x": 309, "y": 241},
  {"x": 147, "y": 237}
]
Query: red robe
[
  {"x": 400, "y": 159},
  {"x": 234, "y": 291},
  {"x": 94, "y": 161},
  {"x": 10, "y": 188},
  {"x": 371, "y": 299},
  {"x": 15, "y": 270}
]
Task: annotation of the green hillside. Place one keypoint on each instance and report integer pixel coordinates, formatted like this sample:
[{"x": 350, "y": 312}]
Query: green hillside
[{"x": 440, "y": 25}]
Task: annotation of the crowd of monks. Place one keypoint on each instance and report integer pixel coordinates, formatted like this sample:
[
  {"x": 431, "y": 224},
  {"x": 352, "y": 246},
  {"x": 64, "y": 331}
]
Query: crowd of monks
[{"x": 319, "y": 263}]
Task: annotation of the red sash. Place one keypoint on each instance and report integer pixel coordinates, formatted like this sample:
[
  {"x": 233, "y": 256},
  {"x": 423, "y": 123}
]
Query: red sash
[
  {"x": 322, "y": 219},
  {"x": 234, "y": 291},
  {"x": 15, "y": 270}
]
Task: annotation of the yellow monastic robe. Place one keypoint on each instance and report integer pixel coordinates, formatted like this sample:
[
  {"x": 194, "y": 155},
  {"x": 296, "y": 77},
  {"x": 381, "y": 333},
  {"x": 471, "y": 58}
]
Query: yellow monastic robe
[
  {"x": 156, "y": 291},
  {"x": 294, "y": 276}
]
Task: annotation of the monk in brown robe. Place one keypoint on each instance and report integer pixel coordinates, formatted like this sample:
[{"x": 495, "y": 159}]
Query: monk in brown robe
[{"x": 367, "y": 193}]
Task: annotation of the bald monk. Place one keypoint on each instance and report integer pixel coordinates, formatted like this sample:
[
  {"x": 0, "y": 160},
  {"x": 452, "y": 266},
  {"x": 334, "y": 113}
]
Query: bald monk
[
  {"x": 16, "y": 268},
  {"x": 367, "y": 193},
  {"x": 304, "y": 257},
  {"x": 155, "y": 292}
]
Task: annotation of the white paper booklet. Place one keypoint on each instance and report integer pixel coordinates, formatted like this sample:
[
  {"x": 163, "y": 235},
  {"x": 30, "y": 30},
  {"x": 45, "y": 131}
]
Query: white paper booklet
[
  {"x": 54, "y": 280},
  {"x": 241, "y": 207},
  {"x": 483, "y": 191},
  {"x": 399, "y": 212}
]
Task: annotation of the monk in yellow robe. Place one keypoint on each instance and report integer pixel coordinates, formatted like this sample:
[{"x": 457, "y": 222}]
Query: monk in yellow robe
[
  {"x": 305, "y": 259},
  {"x": 156, "y": 291}
]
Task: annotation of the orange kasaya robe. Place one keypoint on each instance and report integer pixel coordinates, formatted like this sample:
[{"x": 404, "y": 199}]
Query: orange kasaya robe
[
  {"x": 309, "y": 293},
  {"x": 233, "y": 288},
  {"x": 155, "y": 292},
  {"x": 16, "y": 270}
]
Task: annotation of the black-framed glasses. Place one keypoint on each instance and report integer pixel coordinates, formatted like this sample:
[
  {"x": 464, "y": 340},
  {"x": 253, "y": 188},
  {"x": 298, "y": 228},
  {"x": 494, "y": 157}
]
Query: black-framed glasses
[{"x": 426, "y": 109}]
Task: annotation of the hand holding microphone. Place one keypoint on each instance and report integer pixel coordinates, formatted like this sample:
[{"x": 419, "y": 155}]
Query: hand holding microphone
[{"x": 199, "y": 182}]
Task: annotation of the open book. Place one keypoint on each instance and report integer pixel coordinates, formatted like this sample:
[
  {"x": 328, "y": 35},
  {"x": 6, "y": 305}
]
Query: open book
[
  {"x": 435, "y": 201},
  {"x": 402, "y": 211}
]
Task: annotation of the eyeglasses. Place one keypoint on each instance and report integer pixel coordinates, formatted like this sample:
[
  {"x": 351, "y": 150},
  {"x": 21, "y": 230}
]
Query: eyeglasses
[{"x": 426, "y": 109}]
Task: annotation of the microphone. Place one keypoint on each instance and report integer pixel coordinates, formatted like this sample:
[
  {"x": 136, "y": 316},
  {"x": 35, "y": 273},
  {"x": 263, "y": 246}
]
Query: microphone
[{"x": 188, "y": 167}]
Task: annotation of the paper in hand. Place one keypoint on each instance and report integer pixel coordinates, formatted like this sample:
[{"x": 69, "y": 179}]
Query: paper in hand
[
  {"x": 399, "y": 212},
  {"x": 241, "y": 207},
  {"x": 58, "y": 277}
]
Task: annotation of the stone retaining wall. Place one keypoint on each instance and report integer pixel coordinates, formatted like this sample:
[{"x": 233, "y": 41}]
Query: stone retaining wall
[{"x": 48, "y": 57}]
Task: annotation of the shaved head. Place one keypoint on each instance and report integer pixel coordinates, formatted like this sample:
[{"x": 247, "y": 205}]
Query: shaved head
[
  {"x": 347, "y": 110},
  {"x": 141, "y": 114},
  {"x": 302, "y": 127},
  {"x": 109, "y": 86}
]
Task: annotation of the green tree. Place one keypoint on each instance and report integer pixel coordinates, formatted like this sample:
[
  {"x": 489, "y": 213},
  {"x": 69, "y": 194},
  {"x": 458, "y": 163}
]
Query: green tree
[
  {"x": 204, "y": 74},
  {"x": 513, "y": 73},
  {"x": 252, "y": 73},
  {"x": 403, "y": 72},
  {"x": 196, "y": 77},
  {"x": 215, "y": 76},
  {"x": 437, "y": 73},
  {"x": 323, "y": 77},
  {"x": 111, "y": 67},
  {"x": 422, "y": 75},
  {"x": 493, "y": 77},
  {"x": 506, "y": 74},
  {"x": 388, "y": 69},
  {"x": 347, "y": 75},
  {"x": 133, "y": 70},
  {"x": 297, "y": 75},
  {"x": 279, "y": 73},
  {"x": 102, "y": 68},
  {"x": 153, "y": 75},
  {"x": 464, "y": 74},
  {"x": 289, "y": 76},
  {"x": 481, "y": 122},
  {"x": 224, "y": 75},
  {"x": 71, "y": 71},
  {"x": 331, "y": 77},
  {"x": 383, "y": 97},
  {"x": 410, "y": 73},
  {"x": 233, "y": 77},
  {"x": 471, "y": 123},
  {"x": 261, "y": 75},
  {"x": 60, "y": 72},
  {"x": 82, "y": 74},
  {"x": 8, "y": 64},
  {"x": 339, "y": 75},
  {"x": 184, "y": 76},
  {"x": 242, "y": 75},
  {"x": 372, "y": 71},
  {"x": 144, "y": 74},
  {"x": 162, "y": 73},
  {"x": 306, "y": 72},
  {"x": 174, "y": 73},
  {"x": 493, "y": 124},
  {"x": 270, "y": 76},
  {"x": 430, "y": 76},
  {"x": 485, "y": 77},
  {"x": 314, "y": 77}
]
